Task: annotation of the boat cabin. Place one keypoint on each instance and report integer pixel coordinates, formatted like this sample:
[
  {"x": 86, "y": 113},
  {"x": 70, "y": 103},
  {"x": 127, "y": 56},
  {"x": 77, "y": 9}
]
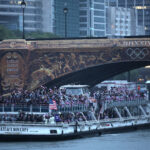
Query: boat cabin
[{"x": 76, "y": 89}]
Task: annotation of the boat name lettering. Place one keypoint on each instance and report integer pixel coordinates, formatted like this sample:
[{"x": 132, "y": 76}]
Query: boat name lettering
[{"x": 13, "y": 129}]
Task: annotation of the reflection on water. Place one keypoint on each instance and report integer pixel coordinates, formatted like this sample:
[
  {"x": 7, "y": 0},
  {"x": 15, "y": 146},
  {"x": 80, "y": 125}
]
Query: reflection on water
[{"x": 124, "y": 141}]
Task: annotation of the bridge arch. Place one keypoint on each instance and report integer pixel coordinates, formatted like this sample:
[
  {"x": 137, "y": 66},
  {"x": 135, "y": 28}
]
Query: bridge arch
[
  {"x": 30, "y": 64},
  {"x": 96, "y": 74}
]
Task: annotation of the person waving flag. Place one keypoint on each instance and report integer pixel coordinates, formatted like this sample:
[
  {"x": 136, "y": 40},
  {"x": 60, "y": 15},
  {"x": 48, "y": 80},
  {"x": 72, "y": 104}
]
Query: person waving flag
[{"x": 52, "y": 104}]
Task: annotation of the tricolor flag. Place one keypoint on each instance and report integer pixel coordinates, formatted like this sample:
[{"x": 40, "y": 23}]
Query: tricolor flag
[{"x": 52, "y": 104}]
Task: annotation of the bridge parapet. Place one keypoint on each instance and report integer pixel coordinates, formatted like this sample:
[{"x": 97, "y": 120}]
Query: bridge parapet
[{"x": 72, "y": 43}]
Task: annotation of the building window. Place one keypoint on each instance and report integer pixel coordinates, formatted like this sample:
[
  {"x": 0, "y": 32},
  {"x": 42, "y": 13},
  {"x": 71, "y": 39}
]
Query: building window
[
  {"x": 99, "y": 33},
  {"x": 99, "y": 26},
  {"x": 98, "y": 13},
  {"x": 100, "y": 20},
  {"x": 83, "y": 12},
  {"x": 83, "y": 0},
  {"x": 83, "y": 33},
  {"x": 99, "y": 1},
  {"x": 121, "y": 32},
  {"x": 83, "y": 25},
  {"x": 98, "y": 6},
  {"x": 83, "y": 19},
  {"x": 83, "y": 5}
]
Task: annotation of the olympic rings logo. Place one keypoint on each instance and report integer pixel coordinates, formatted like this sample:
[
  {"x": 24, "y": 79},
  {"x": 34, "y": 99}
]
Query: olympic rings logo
[{"x": 137, "y": 53}]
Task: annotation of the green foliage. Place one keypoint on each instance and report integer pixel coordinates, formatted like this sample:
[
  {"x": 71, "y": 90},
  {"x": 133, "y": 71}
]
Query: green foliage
[
  {"x": 9, "y": 34},
  {"x": 124, "y": 76},
  {"x": 135, "y": 75},
  {"x": 40, "y": 35}
]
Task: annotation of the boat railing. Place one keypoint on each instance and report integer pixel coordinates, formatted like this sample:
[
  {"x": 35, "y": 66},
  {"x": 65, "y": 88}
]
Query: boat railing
[
  {"x": 21, "y": 122},
  {"x": 41, "y": 108},
  {"x": 36, "y": 123},
  {"x": 111, "y": 104},
  {"x": 79, "y": 123},
  {"x": 64, "y": 124},
  {"x": 75, "y": 108}
]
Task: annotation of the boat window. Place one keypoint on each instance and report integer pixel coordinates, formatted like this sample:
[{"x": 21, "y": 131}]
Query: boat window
[
  {"x": 74, "y": 91},
  {"x": 85, "y": 90},
  {"x": 53, "y": 131}
]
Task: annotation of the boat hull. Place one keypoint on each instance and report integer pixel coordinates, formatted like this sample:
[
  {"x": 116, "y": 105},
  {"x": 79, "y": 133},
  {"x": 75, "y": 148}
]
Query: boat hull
[{"x": 7, "y": 132}]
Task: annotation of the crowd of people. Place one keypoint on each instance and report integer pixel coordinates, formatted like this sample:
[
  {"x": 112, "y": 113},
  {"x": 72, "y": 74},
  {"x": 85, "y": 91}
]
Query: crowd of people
[
  {"x": 46, "y": 118},
  {"x": 21, "y": 116},
  {"x": 42, "y": 96},
  {"x": 120, "y": 93}
]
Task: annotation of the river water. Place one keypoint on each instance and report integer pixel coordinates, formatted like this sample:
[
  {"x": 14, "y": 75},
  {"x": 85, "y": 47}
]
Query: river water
[{"x": 136, "y": 140}]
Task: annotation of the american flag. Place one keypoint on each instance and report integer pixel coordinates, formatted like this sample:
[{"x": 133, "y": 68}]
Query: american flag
[{"x": 52, "y": 104}]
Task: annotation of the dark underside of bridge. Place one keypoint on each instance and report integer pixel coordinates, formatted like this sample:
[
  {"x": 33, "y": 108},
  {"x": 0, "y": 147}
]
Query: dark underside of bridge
[{"x": 97, "y": 74}]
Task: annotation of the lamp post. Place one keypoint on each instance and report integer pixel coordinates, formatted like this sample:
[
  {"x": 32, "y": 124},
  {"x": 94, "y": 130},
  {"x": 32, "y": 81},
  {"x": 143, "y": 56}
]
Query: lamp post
[
  {"x": 23, "y": 5},
  {"x": 65, "y": 13}
]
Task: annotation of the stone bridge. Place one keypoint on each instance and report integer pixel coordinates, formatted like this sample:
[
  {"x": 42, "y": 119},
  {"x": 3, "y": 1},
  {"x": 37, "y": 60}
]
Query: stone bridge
[{"x": 29, "y": 64}]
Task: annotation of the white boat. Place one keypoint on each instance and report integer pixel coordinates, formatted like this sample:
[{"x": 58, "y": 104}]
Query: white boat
[
  {"x": 44, "y": 130},
  {"x": 61, "y": 131}
]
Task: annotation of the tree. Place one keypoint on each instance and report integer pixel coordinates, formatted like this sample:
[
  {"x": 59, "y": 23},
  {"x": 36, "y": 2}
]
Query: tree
[
  {"x": 40, "y": 35},
  {"x": 5, "y": 33},
  {"x": 124, "y": 76},
  {"x": 16, "y": 34}
]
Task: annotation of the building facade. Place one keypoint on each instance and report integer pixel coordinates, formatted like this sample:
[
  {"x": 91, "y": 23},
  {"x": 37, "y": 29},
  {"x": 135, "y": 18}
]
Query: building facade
[
  {"x": 142, "y": 11},
  {"x": 68, "y": 24},
  {"x": 37, "y": 15},
  {"x": 47, "y": 15},
  {"x": 92, "y": 18},
  {"x": 120, "y": 21},
  {"x": 85, "y": 18}
]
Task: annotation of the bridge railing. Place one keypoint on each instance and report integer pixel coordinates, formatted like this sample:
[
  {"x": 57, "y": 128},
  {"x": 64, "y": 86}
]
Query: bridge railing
[
  {"x": 111, "y": 104},
  {"x": 41, "y": 108}
]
